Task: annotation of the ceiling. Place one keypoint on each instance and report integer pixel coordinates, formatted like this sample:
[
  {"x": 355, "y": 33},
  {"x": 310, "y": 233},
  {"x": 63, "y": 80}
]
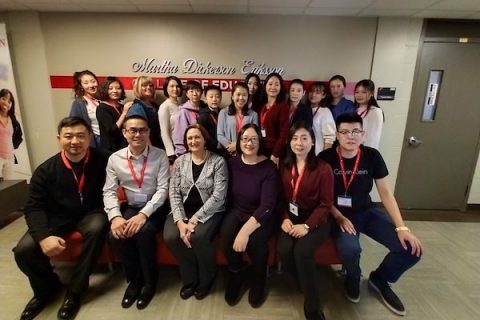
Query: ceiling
[{"x": 450, "y": 9}]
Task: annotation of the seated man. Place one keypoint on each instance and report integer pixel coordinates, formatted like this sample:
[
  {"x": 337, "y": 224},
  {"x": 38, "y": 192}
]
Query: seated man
[
  {"x": 141, "y": 170},
  {"x": 355, "y": 168},
  {"x": 65, "y": 195}
]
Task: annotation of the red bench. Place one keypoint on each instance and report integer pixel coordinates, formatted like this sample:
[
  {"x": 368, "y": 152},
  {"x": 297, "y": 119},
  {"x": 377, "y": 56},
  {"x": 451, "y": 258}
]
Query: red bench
[{"x": 327, "y": 253}]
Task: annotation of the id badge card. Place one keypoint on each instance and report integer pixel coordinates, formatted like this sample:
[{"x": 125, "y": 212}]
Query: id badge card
[
  {"x": 293, "y": 208},
  {"x": 140, "y": 198},
  {"x": 344, "y": 201},
  {"x": 264, "y": 133}
]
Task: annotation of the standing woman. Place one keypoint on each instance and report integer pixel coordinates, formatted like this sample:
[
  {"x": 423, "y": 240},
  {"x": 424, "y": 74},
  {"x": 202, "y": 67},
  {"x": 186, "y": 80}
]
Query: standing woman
[
  {"x": 308, "y": 195},
  {"x": 188, "y": 114},
  {"x": 254, "y": 91},
  {"x": 198, "y": 190},
  {"x": 144, "y": 92},
  {"x": 274, "y": 117},
  {"x": 10, "y": 134},
  {"x": 85, "y": 86},
  {"x": 338, "y": 103},
  {"x": 234, "y": 117},
  {"x": 251, "y": 218},
  {"x": 111, "y": 114},
  {"x": 168, "y": 113},
  {"x": 367, "y": 107},
  {"x": 298, "y": 111},
  {"x": 323, "y": 126}
]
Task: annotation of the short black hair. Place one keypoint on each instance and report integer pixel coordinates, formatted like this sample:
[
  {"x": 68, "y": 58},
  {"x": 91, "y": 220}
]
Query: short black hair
[
  {"x": 73, "y": 121},
  {"x": 290, "y": 157},
  {"x": 212, "y": 87},
  {"x": 103, "y": 88},
  {"x": 350, "y": 117}
]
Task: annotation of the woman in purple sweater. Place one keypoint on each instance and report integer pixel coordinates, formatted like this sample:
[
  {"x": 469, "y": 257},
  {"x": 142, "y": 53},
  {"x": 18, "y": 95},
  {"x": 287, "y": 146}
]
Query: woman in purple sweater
[{"x": 251, "y": 217}]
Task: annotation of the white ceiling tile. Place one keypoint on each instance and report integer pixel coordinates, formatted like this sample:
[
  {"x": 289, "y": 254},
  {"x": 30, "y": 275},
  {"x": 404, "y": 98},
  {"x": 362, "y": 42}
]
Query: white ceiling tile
[
  {"x": 402, "y": 4},
  {"x": 276, "y": 10},
  {"x": 41, "y": 1},
  {"x": 10, "y": 5},
  {"x": 221, "y": 9},
  {"x": 161, "y": 2},
  {"x": 457, "y": 5},
  {"x": 475, "y": 15},
  {"x": 100, "y": 7},
  {"x": 196, "y": 3},
  {"x": 387, "y": 12},
  {"x": 99, "y": 2},
  {"x": 451, "y": 14},
  {"x": 340, "y": 3},
  {"x": 150, "y": 8},
  {"x": 332, "y": 11},
  {"x": 61, "y": 7},
  {"x": 279, "y": 3}
]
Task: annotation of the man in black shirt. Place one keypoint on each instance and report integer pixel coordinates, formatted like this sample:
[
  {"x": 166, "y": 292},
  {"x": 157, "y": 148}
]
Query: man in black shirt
[
  {"x": 355, "y": 168},
  {"x": 65, "y": 195}
]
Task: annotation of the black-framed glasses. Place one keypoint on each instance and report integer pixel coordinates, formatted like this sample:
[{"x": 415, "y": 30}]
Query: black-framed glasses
[
  {"x": 134, "y": 131},
  {"x": 246, "y": 139},
  {"x": 354, "y": 132}
]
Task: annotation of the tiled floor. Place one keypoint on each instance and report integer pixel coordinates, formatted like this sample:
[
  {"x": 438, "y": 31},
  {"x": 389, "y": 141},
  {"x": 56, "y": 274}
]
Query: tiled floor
[{"x": 445, "y": 285}]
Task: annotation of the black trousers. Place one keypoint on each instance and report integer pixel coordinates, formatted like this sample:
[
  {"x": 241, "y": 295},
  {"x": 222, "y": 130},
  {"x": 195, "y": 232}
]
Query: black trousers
[
  {"x": 31, "y": 260},
  {"x": 197, "y": 265},
  {"x": 138, "y": 253},
  {"x": 297, "y": 256},
  {"x": 257, "y": 247}
]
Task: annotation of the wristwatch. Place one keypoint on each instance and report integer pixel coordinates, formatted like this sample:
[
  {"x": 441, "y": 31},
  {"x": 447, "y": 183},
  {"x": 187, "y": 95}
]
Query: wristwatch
[{"x": 306, "y": 226}]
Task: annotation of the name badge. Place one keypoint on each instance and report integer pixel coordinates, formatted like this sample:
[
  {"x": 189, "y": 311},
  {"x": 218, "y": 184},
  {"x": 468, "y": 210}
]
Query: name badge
[
  {"x": 264, "y": 133},
  {"x": 140, "y": 198},
  {"x": 293, "y": 208},
  {"x": 344, "y": 201}
]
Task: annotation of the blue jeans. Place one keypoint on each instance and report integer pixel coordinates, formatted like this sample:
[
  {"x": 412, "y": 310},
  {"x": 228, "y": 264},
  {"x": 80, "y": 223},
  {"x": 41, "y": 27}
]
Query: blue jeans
[{"x": 378, "y": 226}]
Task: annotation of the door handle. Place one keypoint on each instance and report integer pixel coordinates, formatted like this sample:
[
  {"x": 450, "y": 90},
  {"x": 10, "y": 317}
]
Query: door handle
[{"x": 414, "y": 141}]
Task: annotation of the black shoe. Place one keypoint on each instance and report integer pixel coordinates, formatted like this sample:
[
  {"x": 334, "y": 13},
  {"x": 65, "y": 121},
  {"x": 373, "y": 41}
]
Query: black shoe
[
  {"x": 146, "y": 295},
  {"x": 131, "y": 294},
  {"x": 352, "y": 290},
  {"x": 257, "y": 293},
  {"x": 33, "y": 308},
  {"x": 233, "y": 289},
  {"x": 389, "y": 298},
  {"x": 314, "y": 315},
  {"x": 70, "y": 306},
  {"x": 202, "y": 292},
  {"x": 187, "y": 291}
]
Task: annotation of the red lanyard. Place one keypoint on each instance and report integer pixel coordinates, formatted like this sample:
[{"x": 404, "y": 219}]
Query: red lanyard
[
  {"x": 81, "y": 182},
  {"x": 239, "y": 122},
  {"x": 342, "y": 168},
  {"x": 213, "y": 118},
  {"x": 363, "y": 113},
  {"x": 291, "y": 114},
  {"x": 139, "y": 182},
  {"x": 114, "y": 106},
  {"x": 316, "y": 110},
  {"x": 194, "y": 114},
  {"x": 263, "y": 115},
  {"x": 91, "y": 100},
  {"x": 296, "y": 183}
]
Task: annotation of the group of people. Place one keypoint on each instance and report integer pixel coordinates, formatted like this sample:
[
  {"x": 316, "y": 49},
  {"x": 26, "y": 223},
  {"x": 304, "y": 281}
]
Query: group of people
[{"x": 245, "y": 172}]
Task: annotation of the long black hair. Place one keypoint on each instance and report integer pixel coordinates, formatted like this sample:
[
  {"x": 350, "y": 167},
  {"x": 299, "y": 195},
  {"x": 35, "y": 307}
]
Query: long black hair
[
  {"x": 11, "y": 112},
  {"x": 282, "y": 95},
  {"x": 369, "y": 85},
  {"x": 290, "y": 158}
]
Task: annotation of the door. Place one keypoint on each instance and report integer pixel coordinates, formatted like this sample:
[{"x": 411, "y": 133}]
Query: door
[{"x": 441, "y": 141}]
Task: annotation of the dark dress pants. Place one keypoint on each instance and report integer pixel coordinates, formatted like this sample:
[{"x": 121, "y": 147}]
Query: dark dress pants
[
  {"x": 197, "y": 264},
  {"x": 31, "y": 260},
  {"x": 298, "y": 256},
  {"x": 138, "y": 253}
]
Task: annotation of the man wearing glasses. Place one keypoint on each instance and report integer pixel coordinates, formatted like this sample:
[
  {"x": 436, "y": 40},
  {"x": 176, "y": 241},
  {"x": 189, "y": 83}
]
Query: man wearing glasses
[
  {"x": 65, "y": 195},
  {"x": 355, "y": 168},
  {"x": 140, "y": 172}
]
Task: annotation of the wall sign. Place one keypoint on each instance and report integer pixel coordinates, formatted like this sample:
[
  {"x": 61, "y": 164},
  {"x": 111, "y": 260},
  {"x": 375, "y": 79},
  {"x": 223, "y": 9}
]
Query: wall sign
[{"x": 386, "y": 93}]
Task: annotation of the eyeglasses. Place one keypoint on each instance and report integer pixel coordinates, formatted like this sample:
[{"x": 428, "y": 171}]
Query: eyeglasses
[
  {"x": 253, "y": 140},
  {"x": 354, "y": 132},
  {"x": 134, "y": 131}
]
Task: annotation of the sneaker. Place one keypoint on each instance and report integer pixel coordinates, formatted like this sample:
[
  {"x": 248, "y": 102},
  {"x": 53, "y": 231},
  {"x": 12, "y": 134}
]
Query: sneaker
[
  {"x": 389, "y": 298},
  {"x": 352, "y": 290}
]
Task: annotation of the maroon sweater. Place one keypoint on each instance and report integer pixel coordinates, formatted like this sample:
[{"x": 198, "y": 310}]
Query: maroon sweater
[
  {"x": 276, "y": 124},
  {"x": 315, "y": 194}
]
